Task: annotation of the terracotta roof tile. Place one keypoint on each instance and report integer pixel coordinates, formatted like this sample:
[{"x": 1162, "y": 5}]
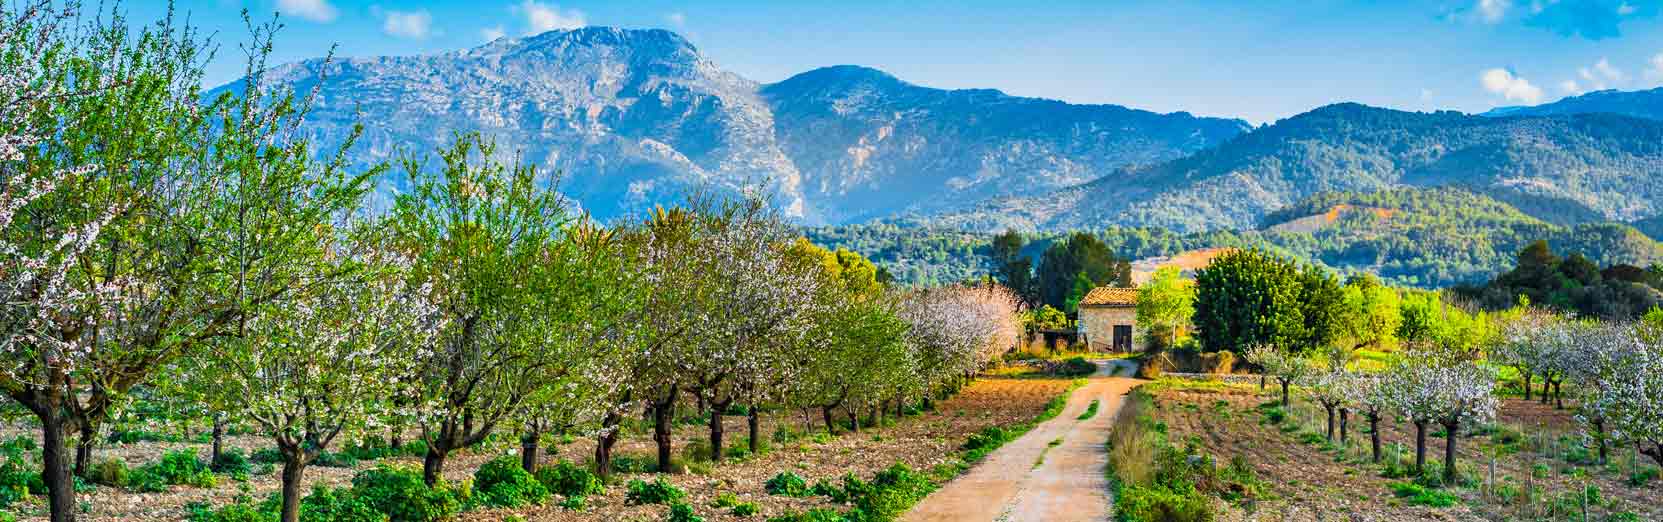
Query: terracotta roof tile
[{"x": 1110, "y": 296}]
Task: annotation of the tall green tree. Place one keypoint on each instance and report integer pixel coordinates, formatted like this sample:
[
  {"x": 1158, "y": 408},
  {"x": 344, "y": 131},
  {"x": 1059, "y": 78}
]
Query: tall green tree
[
  {"x": 1065, "y": 260},
  {"x": 1249, "y": 297},
  {"x": 1015, "y": 270},
  {"x": 1165, "y": 304},
  {"x": 1322, "y": 308}
]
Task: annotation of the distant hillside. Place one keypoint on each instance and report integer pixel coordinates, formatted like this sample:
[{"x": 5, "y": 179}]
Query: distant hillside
[
  {"x": 1640, "y": 104},
  {"x": 1426, "y": 237},
  {"x": 1566, "y": 169}
]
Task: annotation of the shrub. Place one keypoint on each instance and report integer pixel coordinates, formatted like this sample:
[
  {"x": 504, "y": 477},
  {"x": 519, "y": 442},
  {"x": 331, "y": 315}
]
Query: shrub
[
  {"x": 333, "y": 505},
  {"x": 569, "y": 480},
  {"x": 659, "y": 491},
  {"x": 1642, "y": 477},
  {"x": 177, "y": 468},
  {"x": 109, "y": 472},
  {"x": 745, "y": 509},
  {"x": 572, "y": 503},
  {"x": 231, "y": 462},
  {"x": 725, "y": 500},
  {"x": 1418, "y": 495},
  {"x": 1162, "y": 504},
  {"x": 787, "y": 484},
  {"x": 266, "y": 456},
  {"x": 892, "y": 492},
  {"x": 681, "y": 512},
  {"x": 503, "y": 483},
  {"x": 1075, "y": 367},
  {"x": 400, "y": 493},
  {"x": 330, "y": 459},
  {"x": 812, "y": 515},
  {"x": 238, "y": 512},
  {"x": 625, "y": 463}
]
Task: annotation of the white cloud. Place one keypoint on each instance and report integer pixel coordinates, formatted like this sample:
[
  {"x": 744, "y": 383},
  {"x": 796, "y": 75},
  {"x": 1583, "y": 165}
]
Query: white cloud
[
  {"x": 541, "y": 17},
  {"x": 1656, "y": 70},
  {"x": 413, "y": 24},
  {"x": 1602, "y": 75},
  {"x": 314, "y": 10},
  {"x": 1493, "y": 11},
  {"x": 490, "y": 34},
  {"x": 1570, "y": 87},
  {"x": 676, "y": 19},
  {"x": 1510, "y": 87}
]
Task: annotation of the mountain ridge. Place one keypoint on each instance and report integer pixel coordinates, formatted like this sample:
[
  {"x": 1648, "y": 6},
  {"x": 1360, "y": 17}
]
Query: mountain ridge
[{"x": 639, "y": 117}]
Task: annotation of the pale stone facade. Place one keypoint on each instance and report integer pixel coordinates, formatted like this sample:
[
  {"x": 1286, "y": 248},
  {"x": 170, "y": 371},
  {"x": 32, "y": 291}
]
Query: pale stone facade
[{"x": 1100, "y": 322}]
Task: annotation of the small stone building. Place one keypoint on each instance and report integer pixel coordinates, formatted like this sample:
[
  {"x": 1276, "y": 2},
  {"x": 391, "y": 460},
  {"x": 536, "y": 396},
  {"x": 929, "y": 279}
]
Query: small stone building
[{"x": 1108, "y": 320}]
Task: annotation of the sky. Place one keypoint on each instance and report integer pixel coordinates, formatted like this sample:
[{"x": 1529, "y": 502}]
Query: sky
[{"x": 1257, "y": 60}]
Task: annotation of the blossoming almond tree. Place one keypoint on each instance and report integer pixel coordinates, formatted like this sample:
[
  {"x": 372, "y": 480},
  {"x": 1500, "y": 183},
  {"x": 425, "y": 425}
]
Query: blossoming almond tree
[
  {"x": 323, "y": 364},
  {"x": 1434, "y": 384},
  {"x": 149, "y": 225},
  {"x": 1368, "y": 395},
  {"x": 1286, "y": 368},
  {"x": 1629, "y": 390},
  {"x": 477, "y": 232}
]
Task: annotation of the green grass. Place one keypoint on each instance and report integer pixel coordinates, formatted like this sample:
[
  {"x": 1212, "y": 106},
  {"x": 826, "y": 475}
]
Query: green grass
[{"x": 1091, "y": 411}]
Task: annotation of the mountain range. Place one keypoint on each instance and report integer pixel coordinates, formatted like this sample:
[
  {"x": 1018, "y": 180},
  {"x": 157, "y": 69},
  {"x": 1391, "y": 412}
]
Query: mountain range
[{"x": 634, "y": 118}]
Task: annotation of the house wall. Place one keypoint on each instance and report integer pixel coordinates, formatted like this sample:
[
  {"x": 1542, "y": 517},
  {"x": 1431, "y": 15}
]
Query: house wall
[{"x": 1099, "y": 323}]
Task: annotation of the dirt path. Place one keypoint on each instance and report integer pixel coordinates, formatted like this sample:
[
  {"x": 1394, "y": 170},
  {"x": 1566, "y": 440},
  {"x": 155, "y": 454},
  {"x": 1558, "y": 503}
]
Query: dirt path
[{"x": 1015, "y": 484}]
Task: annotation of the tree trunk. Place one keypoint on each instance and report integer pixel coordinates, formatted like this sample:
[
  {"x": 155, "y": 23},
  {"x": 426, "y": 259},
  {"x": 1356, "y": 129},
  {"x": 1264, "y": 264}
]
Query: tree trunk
[
  {"x": 716, "y": 431},
  {"x": 1262, "y": 382},
  {"x": 1284, "y": 393},
  {"x": 1653, "y": 450},
  {"x": 83, "y": 450},
  {"x": 219, "y": 441},
  {"x": 1545, "y": 386},
  {"x": 663, "y": 415},
  {"x": 433, "y": 464},
  {"x": 603, "y": 453},
  {"x": 1420, "y": 446},
  {"x": 1330, "y": 410},
  {"x": 292, "y": 470},
  {"x": 529, "y": 453},
  {"x": 854, "y": 420},
  {"x": 396, "y": 440},
  {"x": 1559, "y": 395},
  {"x": 1599, "y": 434},
  {"x": 1374, "y": 435},
  {"x": 1345, "y": 419},
  {"x": 1527, "y": 379},
  {"x": 754, "y": 419},
  {"x": 1450, "y": 431},
  {"x": 60, "y": 487},
  {"x": 826, "y": 412}
]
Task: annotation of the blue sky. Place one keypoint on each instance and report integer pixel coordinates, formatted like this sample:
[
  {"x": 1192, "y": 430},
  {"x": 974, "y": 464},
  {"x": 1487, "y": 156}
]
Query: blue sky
[{"x": 1259, "y": 60}]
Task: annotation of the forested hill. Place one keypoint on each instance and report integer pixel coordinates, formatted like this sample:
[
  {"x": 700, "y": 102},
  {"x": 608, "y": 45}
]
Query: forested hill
[
  {"x": 1426, "y": 237},
  {"x": 1564, "y": 168}
]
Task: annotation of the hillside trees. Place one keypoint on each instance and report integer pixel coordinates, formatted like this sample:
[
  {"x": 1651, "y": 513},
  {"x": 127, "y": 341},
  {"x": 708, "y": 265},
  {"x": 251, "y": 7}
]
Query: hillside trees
[{"x": 140, "y": 224}]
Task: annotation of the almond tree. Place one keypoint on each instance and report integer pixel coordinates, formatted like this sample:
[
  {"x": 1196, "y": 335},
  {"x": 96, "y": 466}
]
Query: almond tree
[
  {"x": 323, "y": 364},
  {"x": 1371, "y": 399},
  {"x": 756, "y": 307},
  {"x": 955, "y": 331},
  {"x": 479, "y": 233},
  {"x": 853, "y": 355},
  {"x": 1521, "y": 345},
  {"x": 1285, "y": 367},
  {"x": 588, "y": 295},
  {"x": 1332, "y": 390},
  {"x": 1629, "y": 384},
  {"x": 149, "y": 225},
  {"x": 1598, "y": 360},
  {"x": 1439, "y": 385}
]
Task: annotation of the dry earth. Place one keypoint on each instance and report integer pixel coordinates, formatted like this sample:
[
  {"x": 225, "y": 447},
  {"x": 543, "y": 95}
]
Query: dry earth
[{"x": 921, "y": 442}]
